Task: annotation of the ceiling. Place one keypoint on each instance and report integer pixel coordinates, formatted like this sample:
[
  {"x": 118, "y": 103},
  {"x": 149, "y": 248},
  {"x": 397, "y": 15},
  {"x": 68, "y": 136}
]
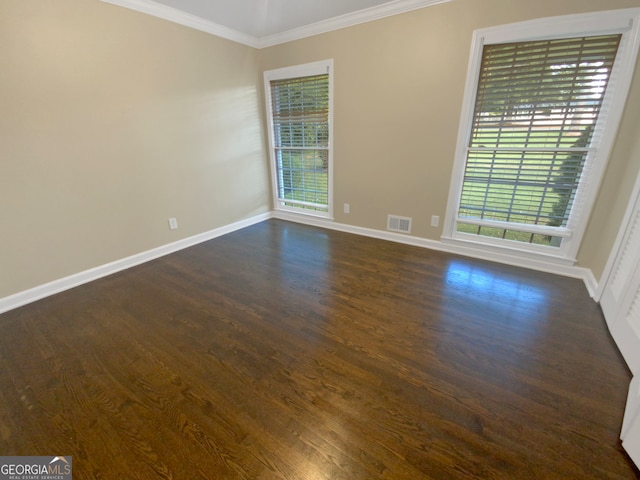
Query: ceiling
[
  {"x": 261, "y": 23},
  {"x": 261, "y": 18}
]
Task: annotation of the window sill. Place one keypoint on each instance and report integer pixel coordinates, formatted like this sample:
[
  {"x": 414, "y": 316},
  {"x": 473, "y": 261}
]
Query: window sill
[{"x": 506, "y": 250}]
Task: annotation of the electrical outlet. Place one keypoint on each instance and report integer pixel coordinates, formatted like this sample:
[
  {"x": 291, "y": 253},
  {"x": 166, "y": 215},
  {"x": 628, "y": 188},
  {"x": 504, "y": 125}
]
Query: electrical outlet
[
  {"x": 435, "y": 220},
  {"x": 173, "y": 223},
  {"x": 347, "y": 208}
]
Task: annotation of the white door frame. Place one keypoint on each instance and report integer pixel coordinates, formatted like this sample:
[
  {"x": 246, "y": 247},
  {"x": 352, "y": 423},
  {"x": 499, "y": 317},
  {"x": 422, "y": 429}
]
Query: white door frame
[{"x": 619, "y": 296}]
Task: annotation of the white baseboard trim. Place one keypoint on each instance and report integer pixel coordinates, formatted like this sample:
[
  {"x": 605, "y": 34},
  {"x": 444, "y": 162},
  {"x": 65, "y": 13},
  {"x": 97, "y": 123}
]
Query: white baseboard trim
[
  {"x": 581, "y": 273},
  {"x": 592, "y": 284},
  {"x": 28, "y": 296}
]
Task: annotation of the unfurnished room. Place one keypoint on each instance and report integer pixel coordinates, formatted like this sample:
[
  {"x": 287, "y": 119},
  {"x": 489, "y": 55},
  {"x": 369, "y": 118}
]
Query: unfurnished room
[{"x": 305, "y": 240}]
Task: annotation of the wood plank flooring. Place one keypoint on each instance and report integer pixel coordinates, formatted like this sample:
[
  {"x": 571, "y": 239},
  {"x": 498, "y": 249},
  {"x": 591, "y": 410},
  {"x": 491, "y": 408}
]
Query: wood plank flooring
[{"x": 284, "y": 351}]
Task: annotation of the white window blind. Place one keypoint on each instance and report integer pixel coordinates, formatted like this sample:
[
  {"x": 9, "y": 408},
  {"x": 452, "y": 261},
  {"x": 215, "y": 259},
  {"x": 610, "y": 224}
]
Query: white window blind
[
  {"x": 300, "y": 124},
  {"x": 532, "y": 130}
]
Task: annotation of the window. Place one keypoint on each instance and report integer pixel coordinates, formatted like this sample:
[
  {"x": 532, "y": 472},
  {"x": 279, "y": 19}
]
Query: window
[
  {"x": 299, "y": 113},
  {"x": 541, "y": 108}
]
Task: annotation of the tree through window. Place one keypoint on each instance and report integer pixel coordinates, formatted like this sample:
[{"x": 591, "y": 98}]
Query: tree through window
[
  {"x": 535, "y": 109},
  {"x": 299, "y": 113},
  {"x": 537, "y": 115}
]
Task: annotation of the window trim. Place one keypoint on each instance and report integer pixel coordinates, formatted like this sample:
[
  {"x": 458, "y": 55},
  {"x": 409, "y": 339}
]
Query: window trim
[
  {"x": 304, "y": 70},
  {"x": 624, "y": 21}
]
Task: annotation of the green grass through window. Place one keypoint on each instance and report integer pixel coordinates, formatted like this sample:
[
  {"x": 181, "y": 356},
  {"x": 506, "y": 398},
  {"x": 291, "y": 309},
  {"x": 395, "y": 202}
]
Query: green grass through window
[{"x": 532, "y": 187}]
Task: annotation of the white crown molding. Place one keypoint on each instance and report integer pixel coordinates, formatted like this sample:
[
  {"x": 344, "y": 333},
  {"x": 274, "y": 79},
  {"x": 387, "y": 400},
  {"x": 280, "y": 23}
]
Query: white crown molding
[
  {"x": 177, "y": 16},
  {"x": 37, "y": 293},
  {"x": 343, "y": 21},
  {"x": 348, "y": 20}
]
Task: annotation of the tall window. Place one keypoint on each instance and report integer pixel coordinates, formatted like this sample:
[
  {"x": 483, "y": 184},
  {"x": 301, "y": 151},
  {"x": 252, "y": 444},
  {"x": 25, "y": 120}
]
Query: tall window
[
  {"x": 299, "y": 112},
  {"x": 536, "y": 123},
  {"x": 536, "y": 105}
]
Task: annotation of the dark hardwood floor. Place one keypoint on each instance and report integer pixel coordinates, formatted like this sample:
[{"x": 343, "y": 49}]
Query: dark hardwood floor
[{"x": 288, "y": 352}]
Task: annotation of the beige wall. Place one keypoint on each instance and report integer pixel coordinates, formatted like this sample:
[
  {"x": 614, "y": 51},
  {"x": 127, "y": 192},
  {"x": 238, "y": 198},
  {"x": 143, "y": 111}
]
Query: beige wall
[
  {"x": 111, "y": 122},
  {"x": 398, "y": 86},
  {"x": 616, "y": 187}
]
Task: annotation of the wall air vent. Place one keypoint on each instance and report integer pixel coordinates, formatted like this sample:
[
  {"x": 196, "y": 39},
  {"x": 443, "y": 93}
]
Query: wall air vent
[{"x": 399, "y": 224}]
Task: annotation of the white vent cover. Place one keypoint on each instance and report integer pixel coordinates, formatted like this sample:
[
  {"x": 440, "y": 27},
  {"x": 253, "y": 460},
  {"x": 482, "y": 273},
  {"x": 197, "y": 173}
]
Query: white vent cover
[{"x": 399, "y": 224}]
